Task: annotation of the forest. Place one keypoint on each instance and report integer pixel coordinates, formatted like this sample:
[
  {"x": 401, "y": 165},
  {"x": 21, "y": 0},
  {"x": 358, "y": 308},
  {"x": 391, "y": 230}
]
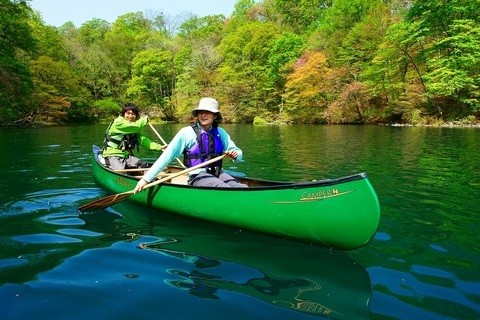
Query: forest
[{"x": 271, "y": 61}]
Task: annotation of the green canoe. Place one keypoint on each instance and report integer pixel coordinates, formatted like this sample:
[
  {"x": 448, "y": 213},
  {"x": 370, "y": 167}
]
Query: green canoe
[{"x": 341, "y": 213}]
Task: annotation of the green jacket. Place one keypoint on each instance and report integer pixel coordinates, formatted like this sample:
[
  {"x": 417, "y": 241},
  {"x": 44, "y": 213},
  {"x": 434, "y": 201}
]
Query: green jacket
[{"x": 119, "y": 127}]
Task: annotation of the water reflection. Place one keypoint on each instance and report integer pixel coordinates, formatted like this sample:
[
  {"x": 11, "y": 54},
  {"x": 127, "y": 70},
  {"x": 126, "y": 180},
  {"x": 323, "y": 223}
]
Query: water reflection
[
  {"x": 291, "y": 275},
  {"x": 49, "y": 241}
]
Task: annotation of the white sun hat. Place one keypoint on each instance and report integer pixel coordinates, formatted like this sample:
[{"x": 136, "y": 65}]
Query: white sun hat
[{"x": 208, "y": 104}]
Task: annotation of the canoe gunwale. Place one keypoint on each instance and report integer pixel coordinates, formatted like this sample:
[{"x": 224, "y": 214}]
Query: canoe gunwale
[{"x": 259, "y": 184}]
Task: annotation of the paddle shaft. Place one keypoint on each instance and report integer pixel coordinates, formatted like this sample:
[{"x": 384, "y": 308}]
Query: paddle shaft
[
  {"x": 176, "y": 174},
  {"x": 116, "y": 198},
  {"x": 163, "y": 141}
]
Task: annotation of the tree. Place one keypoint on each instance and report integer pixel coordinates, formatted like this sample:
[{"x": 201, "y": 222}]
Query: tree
[
  {"x": 16, "y": 43},
  {"x": 121, "y": 44},
  {"x": 96, "y": 72},
  {"x": 395, "y": 74},
  {"x": 307, "y": 89},
  {"x": 240, "y": 11},
  {"x": 285, "y": 50},
  {"x": 244, "y": 72},
  {"x": 55, "y": 89},
  {"x": 197, "y": 59},
  {"x": 301, "y": 16},
  {"x": 93, "y": 31},
  {"x": 153, "y": 80},
  {"x": 449, "y": 31},
  {"x": 453, "y": 79},
  {"x": 49, "y": 41}
]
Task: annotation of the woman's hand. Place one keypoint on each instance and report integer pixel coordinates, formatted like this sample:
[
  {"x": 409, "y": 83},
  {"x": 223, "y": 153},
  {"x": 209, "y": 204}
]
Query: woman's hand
[
  {"x": 140, "y": 186},
  {"x": 232, "y": 154}
]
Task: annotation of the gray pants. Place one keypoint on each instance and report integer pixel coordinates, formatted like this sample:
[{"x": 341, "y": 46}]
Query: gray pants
[
  {"x": 119, "y": 163},
  {"x": 225, "y": 180}
]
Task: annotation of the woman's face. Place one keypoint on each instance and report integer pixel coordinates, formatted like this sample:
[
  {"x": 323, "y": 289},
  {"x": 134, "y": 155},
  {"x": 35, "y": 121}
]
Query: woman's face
[
  {"x": 130, "y": 116},
  {"x": 206, "y": 118}
]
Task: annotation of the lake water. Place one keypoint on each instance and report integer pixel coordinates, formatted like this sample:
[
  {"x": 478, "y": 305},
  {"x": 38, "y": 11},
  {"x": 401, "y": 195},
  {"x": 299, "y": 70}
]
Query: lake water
[{"x": 130, "y": 262}]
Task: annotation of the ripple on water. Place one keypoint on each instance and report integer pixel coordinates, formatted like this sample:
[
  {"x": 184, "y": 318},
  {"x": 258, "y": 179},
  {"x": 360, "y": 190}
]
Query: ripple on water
[
  {"x": 41, "y": 238},
  {"x": 50, "y": 200},
  {"x": 79, "y": 232}
]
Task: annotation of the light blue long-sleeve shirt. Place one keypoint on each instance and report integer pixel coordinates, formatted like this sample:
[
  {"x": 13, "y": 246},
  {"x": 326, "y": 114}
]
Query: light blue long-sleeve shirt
[{"x": 184, "y": 140}]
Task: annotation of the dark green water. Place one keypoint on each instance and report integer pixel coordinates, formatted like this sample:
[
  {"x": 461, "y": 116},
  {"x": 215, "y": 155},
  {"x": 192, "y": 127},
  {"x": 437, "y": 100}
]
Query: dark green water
[{"x": 129, "y": 262}]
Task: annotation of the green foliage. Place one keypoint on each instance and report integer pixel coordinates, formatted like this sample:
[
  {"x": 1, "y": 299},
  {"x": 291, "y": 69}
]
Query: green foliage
[
  {"x": 336, "y": 61},
  {"x": 16, "y": 43},
  {"x": 362, "y": 40},
  {"x": 121, "y": 45},
  {"x": 338, "y": 21},
  {"x": 300, "y": 16},
  {"x": 55, "y": 88},
  {"x": 240, "y": 14},
  {"x": 285, "y": 50},
  {"x": 15, "y": 90},
  {"x": 209, "y": 27},
  {"x": 454, "y": 70},
  {"x": 244, "y": 73},
  {"x": 197, "y": 60},
  {"x": 80, "y": 112},
  {"x": 437, "y": 16},
  {"x": 153, "y": 80},
  {"x": 106, "y": 109},
  {"x": 49, "y": 42},
  {"x": 258, "y": 121},
  {"x": 93, "y": 31},
  {"x": 15, "y": 29},
  {"x": 96, "y": 73},
  {"x": 394, "y": 76}
]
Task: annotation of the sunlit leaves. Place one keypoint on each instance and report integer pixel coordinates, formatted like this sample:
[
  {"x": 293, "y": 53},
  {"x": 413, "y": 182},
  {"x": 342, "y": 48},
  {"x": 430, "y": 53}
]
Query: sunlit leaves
[
  {"x": 153, "y": 80},
  {"x": 455, "y": 69},
  {"x": 293, "y": 61},
  {"x": 93, "y": 31},
  {"x": 307, "y": 89},
  {"x": 16, "y": 43},
  {"x": 244, "y": 71},
  {"x": 396, "y": 64},
  {"x": 55, "y": 85},
  {"x": 302, "y": 15}
]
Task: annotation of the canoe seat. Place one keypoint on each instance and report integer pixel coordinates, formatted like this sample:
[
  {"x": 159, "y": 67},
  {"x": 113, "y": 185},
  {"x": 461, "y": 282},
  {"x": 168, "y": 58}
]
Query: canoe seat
[
  {"x": 101, "y": 159},
  {"x": 183, "y": 179}
]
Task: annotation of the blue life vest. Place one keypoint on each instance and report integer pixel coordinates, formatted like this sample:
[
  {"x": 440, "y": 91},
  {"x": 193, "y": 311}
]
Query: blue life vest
[{"x": 209, "y": 145}]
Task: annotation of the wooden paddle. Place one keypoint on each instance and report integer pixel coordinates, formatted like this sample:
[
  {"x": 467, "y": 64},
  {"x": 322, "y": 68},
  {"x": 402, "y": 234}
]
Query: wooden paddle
[
  {"x": 116, "y": 198},
  {"x": 163, "y": 141}
]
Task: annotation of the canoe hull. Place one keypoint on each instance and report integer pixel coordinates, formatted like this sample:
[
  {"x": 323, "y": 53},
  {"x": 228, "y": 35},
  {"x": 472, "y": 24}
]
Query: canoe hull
[{"x": 342, "y": 213}]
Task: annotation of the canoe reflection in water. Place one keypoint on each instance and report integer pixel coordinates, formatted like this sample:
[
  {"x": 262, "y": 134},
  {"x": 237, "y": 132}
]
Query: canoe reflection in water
[{"x": 304, "y": 278}]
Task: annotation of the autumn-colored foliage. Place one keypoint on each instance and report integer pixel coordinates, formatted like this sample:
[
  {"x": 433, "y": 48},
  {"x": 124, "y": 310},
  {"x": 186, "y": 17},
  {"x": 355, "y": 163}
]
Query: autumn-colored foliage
[{"x": 339, "y": 61}]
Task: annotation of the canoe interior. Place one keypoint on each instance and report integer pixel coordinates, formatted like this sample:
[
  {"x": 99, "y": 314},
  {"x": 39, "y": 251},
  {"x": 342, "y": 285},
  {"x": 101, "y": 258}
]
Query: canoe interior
[{"x": 251, "y": 182}]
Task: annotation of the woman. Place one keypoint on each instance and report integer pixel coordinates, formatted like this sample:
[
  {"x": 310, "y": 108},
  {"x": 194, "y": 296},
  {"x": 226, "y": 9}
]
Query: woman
[
  {"x": 201, "y": 141},
  {"x": 123, "y": 136}
]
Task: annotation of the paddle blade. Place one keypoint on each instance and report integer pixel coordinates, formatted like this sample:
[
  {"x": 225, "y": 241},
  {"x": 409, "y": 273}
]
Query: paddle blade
[{"x": 105, "y": 202}]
